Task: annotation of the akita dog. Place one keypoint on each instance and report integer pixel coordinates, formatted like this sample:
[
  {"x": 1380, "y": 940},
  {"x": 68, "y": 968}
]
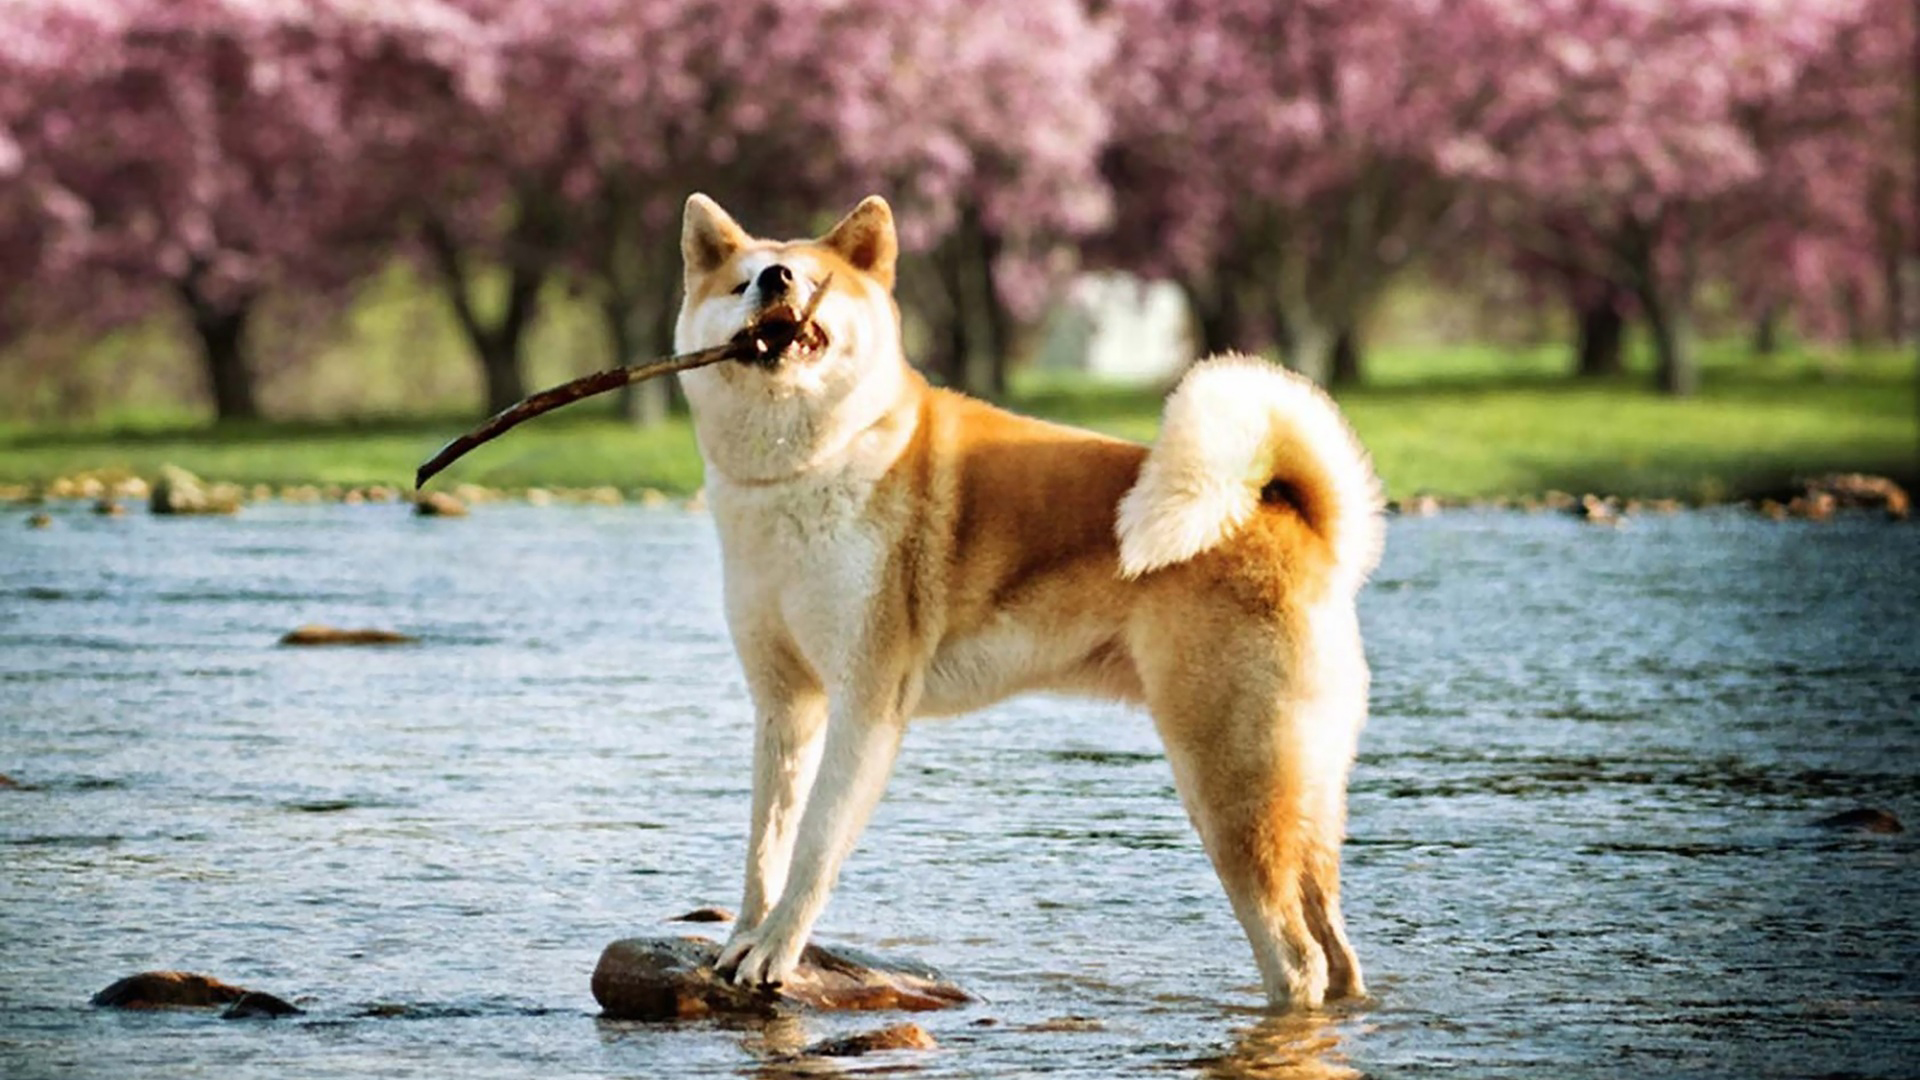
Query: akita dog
[{"x": 892, "y": 550}]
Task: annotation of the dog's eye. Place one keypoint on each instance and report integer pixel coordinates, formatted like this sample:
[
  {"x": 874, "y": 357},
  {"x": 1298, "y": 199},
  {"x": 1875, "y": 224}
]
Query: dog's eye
[{"x": 740, "y": 288}]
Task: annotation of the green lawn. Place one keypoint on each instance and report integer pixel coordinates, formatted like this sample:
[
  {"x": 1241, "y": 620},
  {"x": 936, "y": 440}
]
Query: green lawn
[{"x": 1464, "y": 422}]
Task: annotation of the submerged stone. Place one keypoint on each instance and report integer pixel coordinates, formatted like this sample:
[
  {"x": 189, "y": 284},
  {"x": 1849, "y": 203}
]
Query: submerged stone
[
  {"x": 257, "y": 1005},
  {"x": 316, "y": 634},
  {"x": 1868, "y": 819},
  {"x": 674, "y": 978},
  {"x": 897, "y": 1037}
]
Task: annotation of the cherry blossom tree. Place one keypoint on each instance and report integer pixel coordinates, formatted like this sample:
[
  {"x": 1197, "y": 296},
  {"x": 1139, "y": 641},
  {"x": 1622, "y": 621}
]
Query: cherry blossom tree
[
  {"x": 1284, "y": 160},
  {"x": 196, "y": 148},
  {"x": 1640, "y": 143}
]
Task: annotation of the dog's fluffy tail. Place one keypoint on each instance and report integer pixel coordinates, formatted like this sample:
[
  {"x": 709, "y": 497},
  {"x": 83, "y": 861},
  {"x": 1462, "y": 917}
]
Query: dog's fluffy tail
[{"x": 1238, "y": 430}]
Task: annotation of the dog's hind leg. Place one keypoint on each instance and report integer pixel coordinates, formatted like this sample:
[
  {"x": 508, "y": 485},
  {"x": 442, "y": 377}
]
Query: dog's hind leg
[
  {"x": 1260, "y": 765},
  {"x": 1320, "y": 888}
]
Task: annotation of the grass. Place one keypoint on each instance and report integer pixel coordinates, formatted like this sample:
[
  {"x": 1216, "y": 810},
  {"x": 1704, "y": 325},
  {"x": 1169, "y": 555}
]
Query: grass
[{"x": 1460, "y": 422}]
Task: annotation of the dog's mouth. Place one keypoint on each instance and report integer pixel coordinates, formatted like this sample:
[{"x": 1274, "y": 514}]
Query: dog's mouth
[{"x": 783, "y": 332}]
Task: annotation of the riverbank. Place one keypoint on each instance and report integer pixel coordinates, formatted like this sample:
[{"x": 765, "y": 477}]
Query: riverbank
[{"x": 1457, "y": 428}]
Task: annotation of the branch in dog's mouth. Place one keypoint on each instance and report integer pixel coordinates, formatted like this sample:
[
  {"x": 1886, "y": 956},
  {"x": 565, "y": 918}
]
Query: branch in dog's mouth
[{"x": 763, "y": 343}]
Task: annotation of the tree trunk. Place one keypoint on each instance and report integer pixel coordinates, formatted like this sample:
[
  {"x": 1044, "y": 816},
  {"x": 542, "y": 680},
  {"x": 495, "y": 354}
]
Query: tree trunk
[
  {"x": 1602, "y": 328},
  {"x": 1766, "y": 331},
  {"x": 1345, "y": 370},
  {"x": 642, "y": 404},
  {"x": 500, "y": 363},
  {"x": 1313, "y": 349},
  {"x": 996, "y": 322},
  {"x": 222, "y": 329},
  {"x": 1676, "y": 363},
  {"x": 495, "y": 344}
]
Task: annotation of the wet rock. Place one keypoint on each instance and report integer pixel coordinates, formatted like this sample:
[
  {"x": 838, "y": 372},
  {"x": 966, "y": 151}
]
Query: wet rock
[
  {"x": 674, "y": 978},
  {"x": 1860, "y": 491},
  {"x": 1773, "y": 509},
  {"x": 897, "y": 1037},
  {"x": 40, "y": 521},
  {"x": 1867, "y": 819},
  {"x": 705, "y": 914},
  {"x": 605, "y": 495},
  {"x": 300, "y": 493},
  {"x": 168, "y": 990},
  {"x": 257, "y": 1005},
  {"x": 1557, "y": 500},
  {"x": 1418, "y": 506},
  {"x": 8, "y": 783},
  {"x": 316, "y": 634},
  {"x": 474, "y": 494},
  {"x": 109, "y": 507},
  {"x": 438, "y": 504},
  {"x": 697, "y": 502},
  {"x": 539, "y": 497},
  {"x": 15, "y": 493},
  {"x": 1813, "y": 506},
  {"x": 178, "y": 491},
  {"x": 653, "y": 498},
  {"x": 1595, "y": 510}
]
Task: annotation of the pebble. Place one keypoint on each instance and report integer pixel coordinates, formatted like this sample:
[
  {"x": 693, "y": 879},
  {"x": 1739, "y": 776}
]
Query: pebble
[{"x": 40, "y": 521}]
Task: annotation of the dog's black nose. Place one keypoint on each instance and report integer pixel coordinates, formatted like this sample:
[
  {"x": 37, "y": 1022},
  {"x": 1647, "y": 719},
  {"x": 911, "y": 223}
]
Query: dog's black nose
[{"x": 775, "y": 280}]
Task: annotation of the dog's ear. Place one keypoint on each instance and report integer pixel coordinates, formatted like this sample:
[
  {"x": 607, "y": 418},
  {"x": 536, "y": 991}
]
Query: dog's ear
[
  {"x": 866, "y": 239},
  {"x": 708, "y": 237}
]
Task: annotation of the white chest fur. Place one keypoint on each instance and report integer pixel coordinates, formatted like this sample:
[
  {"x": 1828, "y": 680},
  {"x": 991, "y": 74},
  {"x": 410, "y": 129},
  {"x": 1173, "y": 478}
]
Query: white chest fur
[{"x": 801, "y": 556}]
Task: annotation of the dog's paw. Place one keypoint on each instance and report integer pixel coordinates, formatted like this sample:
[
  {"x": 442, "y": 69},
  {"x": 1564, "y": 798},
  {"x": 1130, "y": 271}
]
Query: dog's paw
[{"x": 759, "y": 958}]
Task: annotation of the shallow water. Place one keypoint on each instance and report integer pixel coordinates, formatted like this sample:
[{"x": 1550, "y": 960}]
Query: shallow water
[{"x": 1581, "y": 838}]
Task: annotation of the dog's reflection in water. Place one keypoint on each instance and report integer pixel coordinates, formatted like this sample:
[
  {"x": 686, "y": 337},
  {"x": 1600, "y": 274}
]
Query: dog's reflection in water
[{"x": 1289, "y": 1046}]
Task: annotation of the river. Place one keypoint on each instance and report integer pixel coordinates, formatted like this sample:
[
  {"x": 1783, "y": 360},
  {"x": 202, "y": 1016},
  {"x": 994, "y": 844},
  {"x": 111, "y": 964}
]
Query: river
[{"x": 1581, "y": 835}]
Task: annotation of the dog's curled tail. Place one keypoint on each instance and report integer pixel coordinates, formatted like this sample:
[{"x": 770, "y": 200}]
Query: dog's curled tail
[{"x": 1239, "y": 432}]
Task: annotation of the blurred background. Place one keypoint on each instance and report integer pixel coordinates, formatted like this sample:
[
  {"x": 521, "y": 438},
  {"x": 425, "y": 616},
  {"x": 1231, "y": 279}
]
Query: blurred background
[{"x": 268, "y": 211}]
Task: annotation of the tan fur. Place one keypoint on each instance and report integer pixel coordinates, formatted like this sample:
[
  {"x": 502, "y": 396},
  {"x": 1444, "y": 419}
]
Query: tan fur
[{"x": 895, "y": 550}]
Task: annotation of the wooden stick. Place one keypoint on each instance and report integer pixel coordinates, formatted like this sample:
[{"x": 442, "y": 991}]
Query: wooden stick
[{"x": 753, "y": 345}]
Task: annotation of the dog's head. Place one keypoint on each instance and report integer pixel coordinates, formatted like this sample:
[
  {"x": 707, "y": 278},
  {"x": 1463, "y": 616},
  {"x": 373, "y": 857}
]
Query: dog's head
[{"x": 837, "y": 372}]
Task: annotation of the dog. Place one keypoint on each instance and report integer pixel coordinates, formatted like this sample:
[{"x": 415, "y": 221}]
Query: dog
[{"x": 892, "y": 550}]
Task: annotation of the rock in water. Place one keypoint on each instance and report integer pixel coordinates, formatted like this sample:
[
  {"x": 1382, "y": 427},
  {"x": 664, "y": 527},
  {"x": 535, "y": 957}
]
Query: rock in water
[
  {"x": 168, "y": 990},
  {"x": 315, "y": 634},
  {"x": 705, "y": 914},
  {"x": 256, "y": 1005},
  {"x": 438, "y": 504},
  {"x": 673, "y": 978},
  {"x": 897, "y": 1037},
  {"x": 1869, "y": 819},
  {"x": 178, "y": 491}
]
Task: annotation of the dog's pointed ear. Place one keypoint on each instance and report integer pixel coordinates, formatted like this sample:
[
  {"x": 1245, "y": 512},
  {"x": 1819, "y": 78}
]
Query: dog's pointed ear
[
  {"x": 866, "y": 239},
  {"x": 708, "y": 236}
]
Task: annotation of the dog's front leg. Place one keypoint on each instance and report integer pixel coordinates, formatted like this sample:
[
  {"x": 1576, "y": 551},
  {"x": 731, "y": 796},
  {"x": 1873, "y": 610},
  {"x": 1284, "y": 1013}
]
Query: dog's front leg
[
  {"x": 790, "y": 722},
  {"x": 863, "y": 737}
]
